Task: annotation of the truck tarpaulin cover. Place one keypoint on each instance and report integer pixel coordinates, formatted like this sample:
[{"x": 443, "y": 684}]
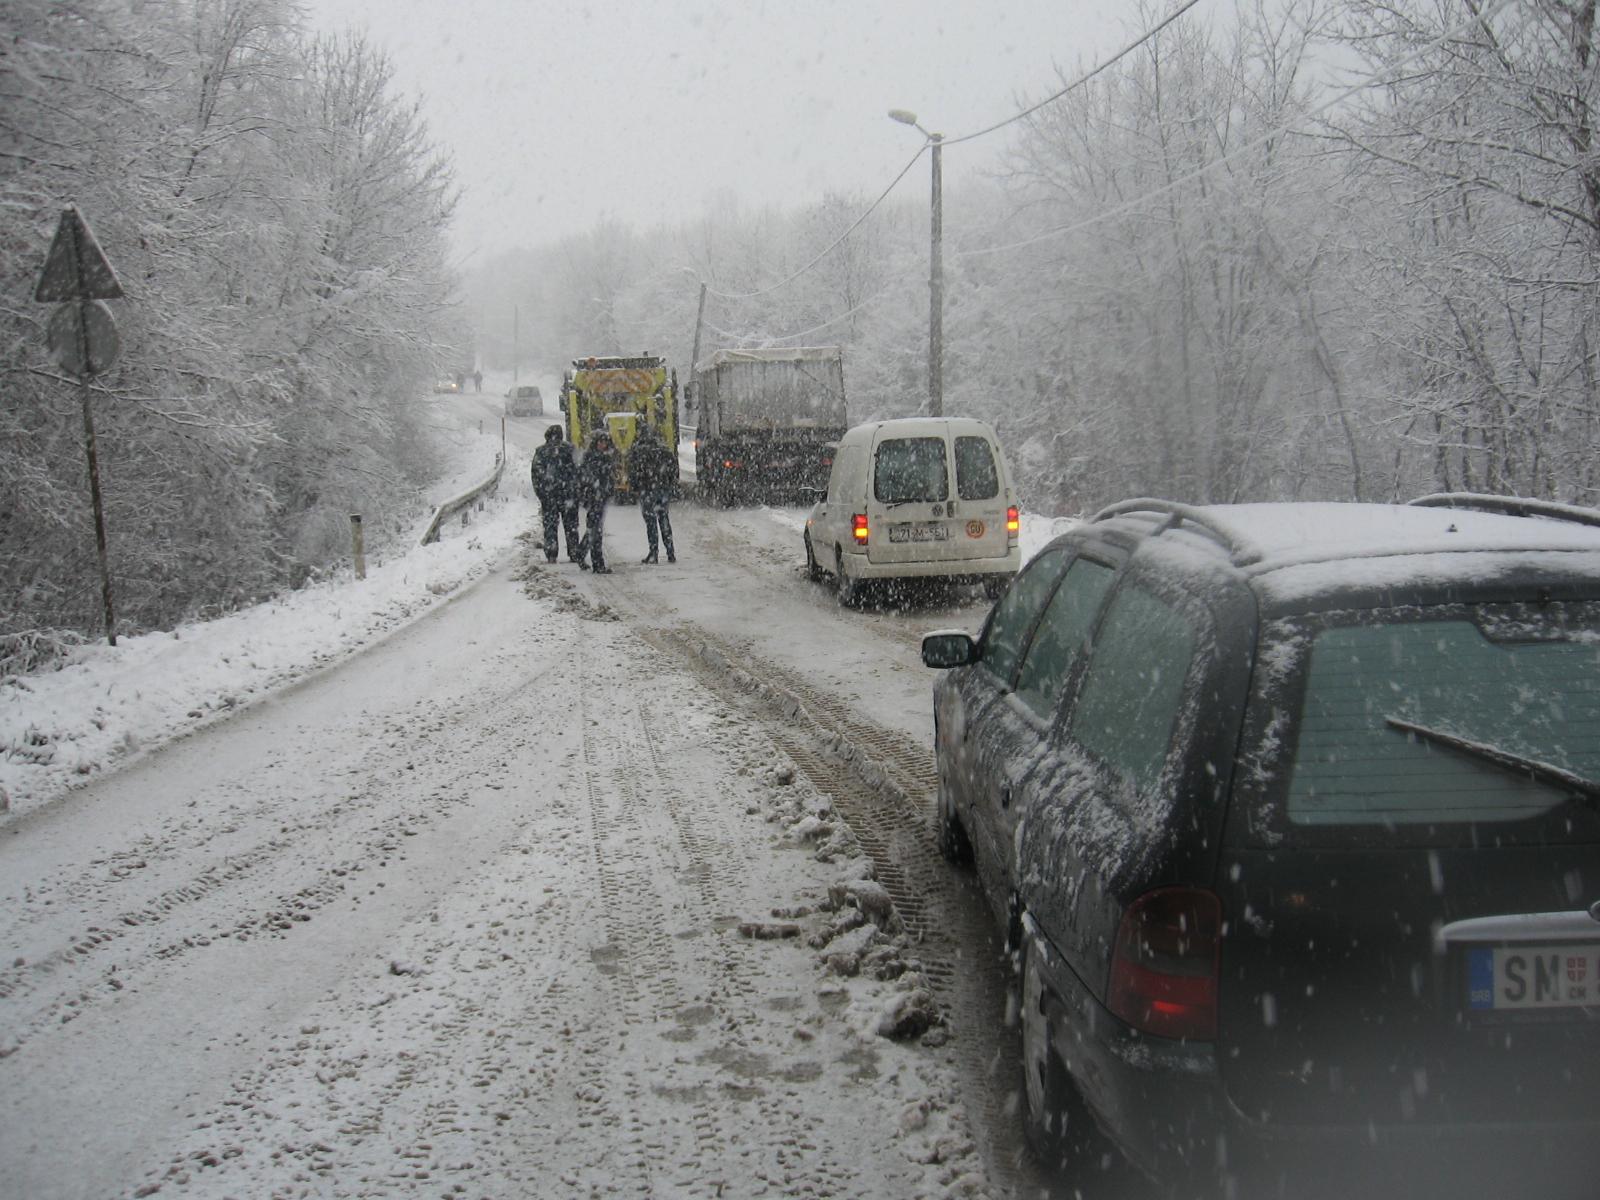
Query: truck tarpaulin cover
[{"x": 777, "y": 389}]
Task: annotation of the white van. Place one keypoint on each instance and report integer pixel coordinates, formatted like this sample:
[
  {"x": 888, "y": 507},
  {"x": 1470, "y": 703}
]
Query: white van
[{"x": 921, "y": 496}]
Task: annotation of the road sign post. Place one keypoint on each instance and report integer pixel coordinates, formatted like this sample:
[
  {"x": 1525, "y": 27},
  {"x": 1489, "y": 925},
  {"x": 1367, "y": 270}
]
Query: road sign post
[{"x": 82, "y": 335}]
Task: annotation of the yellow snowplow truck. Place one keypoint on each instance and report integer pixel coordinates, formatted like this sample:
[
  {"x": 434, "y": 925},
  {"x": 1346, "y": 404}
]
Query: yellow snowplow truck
[{"x": 620, "y": 396}]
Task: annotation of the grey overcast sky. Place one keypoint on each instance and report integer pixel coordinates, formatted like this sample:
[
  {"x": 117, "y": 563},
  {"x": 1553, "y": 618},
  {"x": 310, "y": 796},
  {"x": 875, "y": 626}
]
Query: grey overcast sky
[{"x": 557, "y": 112}]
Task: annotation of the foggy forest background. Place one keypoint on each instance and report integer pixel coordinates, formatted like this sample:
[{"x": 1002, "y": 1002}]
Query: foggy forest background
[{"x": 1197, "y": 277}]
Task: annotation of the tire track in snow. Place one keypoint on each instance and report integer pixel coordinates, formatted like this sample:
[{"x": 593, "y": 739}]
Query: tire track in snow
[
  {"x": 658, "y": 861},
  {"x": 884, "y": 789},
  {"x": 139, "y": 926}
]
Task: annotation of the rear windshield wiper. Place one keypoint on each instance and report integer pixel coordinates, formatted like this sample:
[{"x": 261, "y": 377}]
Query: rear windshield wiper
[{"x": 1517, "y": 764}]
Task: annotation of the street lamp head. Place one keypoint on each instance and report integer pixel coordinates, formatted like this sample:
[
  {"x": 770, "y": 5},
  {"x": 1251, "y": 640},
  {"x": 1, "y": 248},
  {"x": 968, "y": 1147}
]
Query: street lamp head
[{"x": 904, "y": 116}]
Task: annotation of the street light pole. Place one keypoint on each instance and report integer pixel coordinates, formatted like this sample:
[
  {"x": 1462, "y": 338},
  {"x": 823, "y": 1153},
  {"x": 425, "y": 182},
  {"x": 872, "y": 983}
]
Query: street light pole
[
  {"x": 936, "y": 286},
  {"x": 935, "y": 266}
]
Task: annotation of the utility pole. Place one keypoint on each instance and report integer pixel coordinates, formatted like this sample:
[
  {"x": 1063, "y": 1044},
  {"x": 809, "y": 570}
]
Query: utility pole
[
  {"x": 694, "y": 357},
  {"x": 516, "y": 322},
  {"x": 935, "y": 265},
  {"x": 936, "y": 286}
]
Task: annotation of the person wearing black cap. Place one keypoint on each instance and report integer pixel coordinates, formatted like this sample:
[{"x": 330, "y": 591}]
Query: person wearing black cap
[
  {"x": 597, "y": 482},
  {"x": 555, "y": 482}
]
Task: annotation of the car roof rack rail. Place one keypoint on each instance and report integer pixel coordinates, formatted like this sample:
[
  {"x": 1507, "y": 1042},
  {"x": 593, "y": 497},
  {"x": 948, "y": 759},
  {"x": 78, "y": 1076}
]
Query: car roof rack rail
[
  {"x": 1515, "y": 506},
  {"x": 1241, "y": 552}
]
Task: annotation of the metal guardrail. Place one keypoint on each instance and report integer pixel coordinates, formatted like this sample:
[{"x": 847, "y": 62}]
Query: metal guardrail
[{"x": 464, "y": 502}]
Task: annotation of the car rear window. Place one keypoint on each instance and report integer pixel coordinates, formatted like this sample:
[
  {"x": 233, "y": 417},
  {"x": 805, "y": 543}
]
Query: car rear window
[
  {"x": 977, "y": 476},
  {"x": 909, "y": 470},
  {"x": 1444, "y": 721}
]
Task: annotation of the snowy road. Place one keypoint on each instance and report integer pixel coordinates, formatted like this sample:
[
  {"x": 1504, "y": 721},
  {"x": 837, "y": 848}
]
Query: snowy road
[{"x": 472, "y": 914}]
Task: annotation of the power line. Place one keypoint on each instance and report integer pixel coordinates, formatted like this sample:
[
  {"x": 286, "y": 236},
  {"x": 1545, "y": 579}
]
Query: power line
[
  {"x": 853, "y": 227},
  {"x": 833, "y": 320},
  {"x": 1082, "y": 79},
  {"x": 1378, "y": 80}
]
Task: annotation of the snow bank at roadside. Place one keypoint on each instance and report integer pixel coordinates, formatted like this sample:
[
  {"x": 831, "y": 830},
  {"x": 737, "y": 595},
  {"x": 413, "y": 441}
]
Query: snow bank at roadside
[{"x": 109, "y": 703}]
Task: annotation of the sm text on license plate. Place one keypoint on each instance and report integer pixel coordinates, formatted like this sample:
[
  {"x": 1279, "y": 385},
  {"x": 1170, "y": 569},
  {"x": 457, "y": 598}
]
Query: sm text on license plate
[{"x": 1519, "y": 977}]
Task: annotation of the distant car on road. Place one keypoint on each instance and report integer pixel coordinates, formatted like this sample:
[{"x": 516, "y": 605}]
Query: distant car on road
[
  {"x": 524, "y": 401},
  {"x": 446, "y": 386},
  {"x": 1292, "y": 814}
]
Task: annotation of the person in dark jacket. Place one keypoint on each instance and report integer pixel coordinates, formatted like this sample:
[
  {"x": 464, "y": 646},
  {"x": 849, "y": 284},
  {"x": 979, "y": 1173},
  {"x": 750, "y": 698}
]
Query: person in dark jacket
[
  {"x": 652, "y": 472},
  {"x": 597, "y": 483},
  {"x": 555, "y": 482}
]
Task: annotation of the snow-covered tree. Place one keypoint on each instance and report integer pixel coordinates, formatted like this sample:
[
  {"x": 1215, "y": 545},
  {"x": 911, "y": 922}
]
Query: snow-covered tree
[{"x": 276, "y": 216}]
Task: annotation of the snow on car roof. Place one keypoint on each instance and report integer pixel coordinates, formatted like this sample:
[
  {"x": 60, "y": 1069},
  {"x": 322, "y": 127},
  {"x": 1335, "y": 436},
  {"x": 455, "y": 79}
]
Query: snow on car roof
[
  {"x": 1271, "y": 536},
  {"x": 1297, "y": 551}
]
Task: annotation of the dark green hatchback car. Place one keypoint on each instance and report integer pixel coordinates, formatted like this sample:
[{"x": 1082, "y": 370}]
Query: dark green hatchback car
[{"x": 1292, "y": 813}]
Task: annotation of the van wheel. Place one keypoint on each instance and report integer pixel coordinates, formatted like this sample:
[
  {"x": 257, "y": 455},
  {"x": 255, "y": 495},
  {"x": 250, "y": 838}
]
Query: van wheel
[
  {"x": 813, "y": 568},
  {"x": 849, "y": 591},
  {"x": 1056, "y": 1122}
]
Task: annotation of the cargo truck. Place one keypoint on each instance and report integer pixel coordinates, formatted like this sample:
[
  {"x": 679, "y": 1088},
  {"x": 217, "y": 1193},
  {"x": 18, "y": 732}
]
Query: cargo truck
[
  {"x": 766, "y": 422},
  {"x": 619, "y": 395}
]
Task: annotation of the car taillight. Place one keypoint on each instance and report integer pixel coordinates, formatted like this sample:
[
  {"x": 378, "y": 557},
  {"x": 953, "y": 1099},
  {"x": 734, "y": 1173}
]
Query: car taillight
[
  {"x": 731, "y": 464},
  {"x": 827, "y": 460},
  {"x": 1013, "y": 520},
  {"x": 858, "y": 526},
  {"x": 1165, "y": 968}
]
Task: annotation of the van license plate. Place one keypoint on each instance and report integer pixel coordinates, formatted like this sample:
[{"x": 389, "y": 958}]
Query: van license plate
[
  {"x": 929, "y": 532},
  {"x": 1517, "y": 977}
]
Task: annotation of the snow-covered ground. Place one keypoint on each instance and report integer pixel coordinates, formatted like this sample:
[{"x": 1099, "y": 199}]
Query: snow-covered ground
[{"x": 506, "y": 904}]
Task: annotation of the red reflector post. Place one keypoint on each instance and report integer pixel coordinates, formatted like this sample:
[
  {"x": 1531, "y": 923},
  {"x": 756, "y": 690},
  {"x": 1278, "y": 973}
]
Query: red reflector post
[
  {"x": 858, "y": 526},
  {"x": 1166, "y": 965}
]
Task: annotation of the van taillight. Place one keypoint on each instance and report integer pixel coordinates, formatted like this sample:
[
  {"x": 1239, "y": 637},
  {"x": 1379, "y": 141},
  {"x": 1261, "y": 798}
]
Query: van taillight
[
  {"x": 858, "y": 526},
  {"x": 1013, "y": 520},
  {"x": 1165, "y": 968}
]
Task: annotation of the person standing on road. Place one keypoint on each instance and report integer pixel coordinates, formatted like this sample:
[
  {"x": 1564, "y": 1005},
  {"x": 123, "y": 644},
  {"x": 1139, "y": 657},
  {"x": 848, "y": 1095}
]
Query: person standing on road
[
  {"x": 477, "y": 381},
  {"x": 555, "y": 482},
  {"x": 652, "y": 473},
  {"x": 597, "y": 483}
]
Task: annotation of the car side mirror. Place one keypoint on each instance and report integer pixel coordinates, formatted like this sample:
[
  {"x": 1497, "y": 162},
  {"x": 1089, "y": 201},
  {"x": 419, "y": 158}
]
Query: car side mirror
[{"x": 948, "y": 648}]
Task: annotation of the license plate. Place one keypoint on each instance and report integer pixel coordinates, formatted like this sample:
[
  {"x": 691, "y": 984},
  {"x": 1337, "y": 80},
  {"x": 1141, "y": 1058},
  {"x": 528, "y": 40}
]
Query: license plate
[
  {"x": 930, "y": 532},
  {"x": 1520, "y": 977}
]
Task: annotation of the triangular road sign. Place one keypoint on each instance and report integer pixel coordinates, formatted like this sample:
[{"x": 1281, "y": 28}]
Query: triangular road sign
[{"x": 76, "y": 267}]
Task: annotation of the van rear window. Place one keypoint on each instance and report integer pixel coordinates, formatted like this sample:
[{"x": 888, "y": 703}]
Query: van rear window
[
  {"x": 1486, "y": 718},
  {"x": 977, "y": 477},
  {"x": 909, "y": 470}
]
